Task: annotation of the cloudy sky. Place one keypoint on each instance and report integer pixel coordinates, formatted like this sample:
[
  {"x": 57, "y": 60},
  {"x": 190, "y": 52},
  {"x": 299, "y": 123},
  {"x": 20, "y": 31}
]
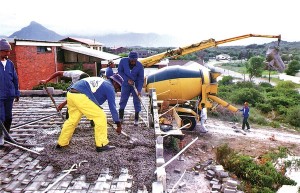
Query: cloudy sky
[{"x": 190, "y": 21}]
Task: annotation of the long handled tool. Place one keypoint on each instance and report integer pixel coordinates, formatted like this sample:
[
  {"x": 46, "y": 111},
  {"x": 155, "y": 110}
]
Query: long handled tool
[
  {"x": 145, "y": 108},
  {"x": 52, "y": 99},
  {"x": 137, "y": 93},
  {"x": 131, "y": 139}
]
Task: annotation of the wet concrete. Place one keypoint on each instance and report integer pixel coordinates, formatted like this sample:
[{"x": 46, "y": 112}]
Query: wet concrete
[{"x": 137, "y": 158}]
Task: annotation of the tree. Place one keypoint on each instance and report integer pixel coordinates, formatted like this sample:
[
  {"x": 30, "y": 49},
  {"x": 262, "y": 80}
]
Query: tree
[
  {"x": 293, "y": 68},
  {"x": 285, "y": 57},
  {"x": 255, "y": 66}
]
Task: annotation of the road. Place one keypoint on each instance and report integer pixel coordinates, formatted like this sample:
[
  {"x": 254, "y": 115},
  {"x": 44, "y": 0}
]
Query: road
[{"x": 213, "y": 64}]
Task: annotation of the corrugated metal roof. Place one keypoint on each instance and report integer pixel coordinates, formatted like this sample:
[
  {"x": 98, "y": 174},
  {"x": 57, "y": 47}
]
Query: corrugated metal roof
[
  {"x": 85, "y": 41},
  {"x": 90, "y": 52}
]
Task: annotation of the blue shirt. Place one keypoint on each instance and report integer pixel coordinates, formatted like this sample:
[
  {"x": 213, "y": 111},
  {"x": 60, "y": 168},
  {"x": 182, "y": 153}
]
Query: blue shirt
[
  {"x": 245, "y": 111},
  {"x": 9, "y": 86},
  {"x": 109, "y": 72},
  {"x": 136, "y": 73},
  {"x": 98, "y": 90}
]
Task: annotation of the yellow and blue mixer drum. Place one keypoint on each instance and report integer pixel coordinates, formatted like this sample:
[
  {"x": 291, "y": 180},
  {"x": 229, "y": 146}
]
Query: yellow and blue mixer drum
[{"x": 176, "y": 83}]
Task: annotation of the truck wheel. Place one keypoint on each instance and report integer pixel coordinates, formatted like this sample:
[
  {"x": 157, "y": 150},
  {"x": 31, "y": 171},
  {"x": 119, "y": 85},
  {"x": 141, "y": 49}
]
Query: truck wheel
[{"x": 191, "y": 120}]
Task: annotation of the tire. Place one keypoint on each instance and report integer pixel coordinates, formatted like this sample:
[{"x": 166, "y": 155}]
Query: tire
[{"x": 186, "y": 119}]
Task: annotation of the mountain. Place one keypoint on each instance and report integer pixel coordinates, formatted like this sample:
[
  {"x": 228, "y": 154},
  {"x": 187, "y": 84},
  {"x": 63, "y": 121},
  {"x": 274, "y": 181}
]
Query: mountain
[{"x": 36, "y": 31}]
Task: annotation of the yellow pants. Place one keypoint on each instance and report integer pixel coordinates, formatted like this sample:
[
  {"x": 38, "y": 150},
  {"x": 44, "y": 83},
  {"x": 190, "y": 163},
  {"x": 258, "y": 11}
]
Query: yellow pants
[{"x": 78, "y": 105}]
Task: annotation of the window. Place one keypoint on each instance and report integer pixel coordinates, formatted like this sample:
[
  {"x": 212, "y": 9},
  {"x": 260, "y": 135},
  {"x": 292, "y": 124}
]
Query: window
[{"x": 43, "y": 49}]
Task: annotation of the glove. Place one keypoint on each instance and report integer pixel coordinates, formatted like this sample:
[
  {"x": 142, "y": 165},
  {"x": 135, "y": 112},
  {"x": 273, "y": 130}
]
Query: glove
[
  {"x": 59, "y": 107},
  {"x": 130, "y": 82},
  {"x": 119, "y": 128}
]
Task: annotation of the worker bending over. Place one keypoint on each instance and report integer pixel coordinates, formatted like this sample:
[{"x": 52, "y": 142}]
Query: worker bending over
[{"x": 84, "y": 98}]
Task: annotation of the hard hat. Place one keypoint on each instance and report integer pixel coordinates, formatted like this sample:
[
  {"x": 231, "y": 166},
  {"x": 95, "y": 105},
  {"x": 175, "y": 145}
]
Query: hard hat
[
  {"x": 4, "y": 45},
  {"x": 133, "y": 55},
  {"x": 117, "y": 78},
  {"x": 110, "y": 62}
]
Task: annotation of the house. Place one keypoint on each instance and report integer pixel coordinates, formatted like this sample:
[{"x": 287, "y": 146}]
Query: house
[
  {"x": 36, "y": 60},
  {"x": 223, "y": 57},
  {"x": 85, "y": 42},
  {"x": 118, "y": 50}
]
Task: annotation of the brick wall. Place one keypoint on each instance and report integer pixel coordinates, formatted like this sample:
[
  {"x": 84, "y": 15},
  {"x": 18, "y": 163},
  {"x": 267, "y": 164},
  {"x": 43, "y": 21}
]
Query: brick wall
[{"x": 32, "y": 66}]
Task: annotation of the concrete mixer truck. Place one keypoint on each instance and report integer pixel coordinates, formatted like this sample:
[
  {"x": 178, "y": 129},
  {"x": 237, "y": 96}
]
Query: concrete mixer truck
[{"x": 193, "y": 82}]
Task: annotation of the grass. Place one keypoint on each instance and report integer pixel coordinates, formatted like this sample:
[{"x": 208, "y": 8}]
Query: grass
[{"x": 238, "y": 69}]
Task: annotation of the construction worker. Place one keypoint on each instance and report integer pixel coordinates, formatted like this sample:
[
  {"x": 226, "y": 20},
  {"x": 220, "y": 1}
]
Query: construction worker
[
  {"x": 246, "y": 112},
  {"x": 84, "y": 98},
  {"x": 109, "y": 70},
  {"x": 203, "y": 117},
  {"x": 132, "y": 71},
  {"x": 9, "y": 88},
  {"x": 75, "y": 75}
]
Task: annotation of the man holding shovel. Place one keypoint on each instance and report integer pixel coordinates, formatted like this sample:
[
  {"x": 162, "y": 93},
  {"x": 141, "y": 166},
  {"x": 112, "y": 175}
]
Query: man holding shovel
[
  {"x": 9, "y": 88},
  {"x": 132, "y": 71},
  {"x": 85, "y": 98}
]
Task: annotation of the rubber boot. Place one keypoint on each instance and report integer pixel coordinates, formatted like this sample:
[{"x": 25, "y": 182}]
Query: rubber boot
[
  {"x": 7, "y": 124},
  {"x": 121, "y": 115},
  {"x": 136, "y": 119},
  {"x": 92, "y": 123}
]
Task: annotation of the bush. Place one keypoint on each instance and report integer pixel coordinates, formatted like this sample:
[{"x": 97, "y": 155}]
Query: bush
[
  {"x": 251, "y": 95},
  {"x": 286, "y": 85},
  {"x": 264, "y": 107},
  {"x": 261, "y": 177},
  {"x": 274, "y": 124},
  {"x": 265, "y": 85},
  {"x": 226, "y": 80},
  {"x": 61, "y": 86},
  {"x": 293, "y": 115},
  {"x": 245, "y": 84},
  {"x": 256, "y": 117},
  {"x": 293, "y": 68}
]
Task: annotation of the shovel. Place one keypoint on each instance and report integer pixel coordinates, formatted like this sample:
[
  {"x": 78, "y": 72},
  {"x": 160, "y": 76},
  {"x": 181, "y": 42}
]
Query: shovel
[
  {"x": 131, "y": 139},
  {"x": 145, "y": 108},
  {"x": 52, "y": 99}
]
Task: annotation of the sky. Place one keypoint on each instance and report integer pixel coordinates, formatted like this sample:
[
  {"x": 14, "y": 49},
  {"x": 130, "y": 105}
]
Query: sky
[{"x": 190, "y": 21}]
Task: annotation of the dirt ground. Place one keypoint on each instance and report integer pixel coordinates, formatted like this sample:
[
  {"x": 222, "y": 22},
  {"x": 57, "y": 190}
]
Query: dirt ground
[{"x": 255, "y": 143}]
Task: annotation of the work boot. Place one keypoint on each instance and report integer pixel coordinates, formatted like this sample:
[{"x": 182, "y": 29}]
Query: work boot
[
  {"x": 59, "y": 147},
  {"x": 92, "y": 123},
  {"x": 136, "y": 119},
  {"x": 7, "y": 124},
  {"x": 121, "y": 115},
  {"x": 105, "y": 148}
]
